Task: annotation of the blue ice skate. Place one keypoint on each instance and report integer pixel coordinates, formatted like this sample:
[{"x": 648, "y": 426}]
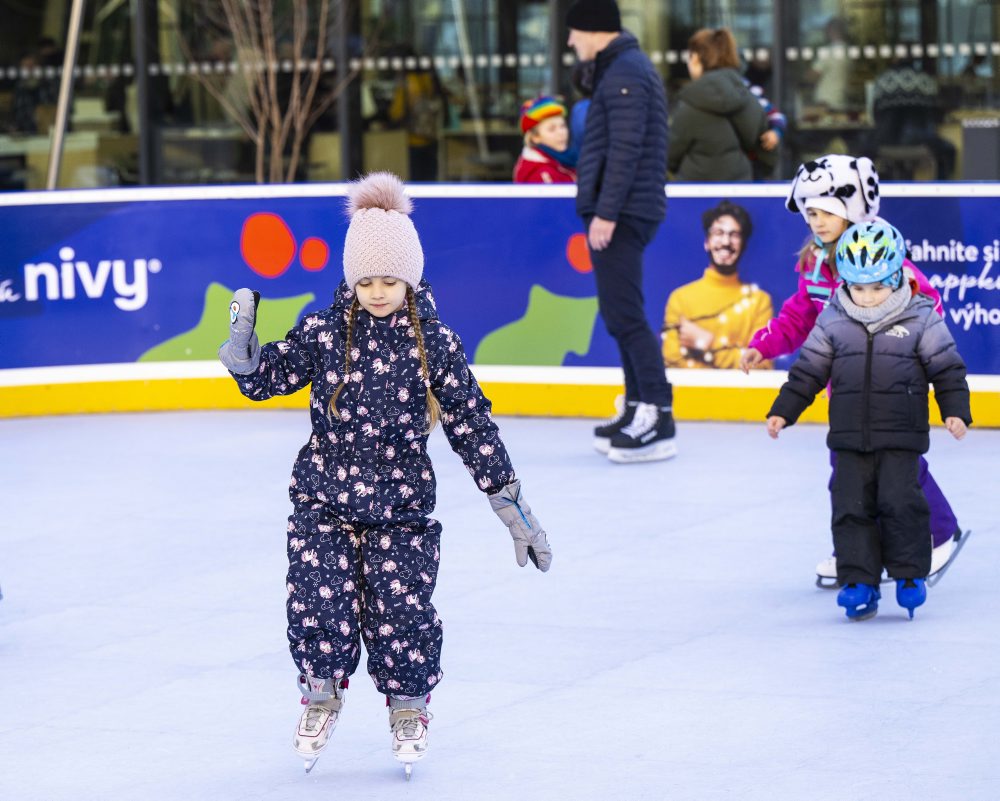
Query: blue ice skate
[
  {"x": 860, "y": 601},
  {"x": 911, "y": 593}
]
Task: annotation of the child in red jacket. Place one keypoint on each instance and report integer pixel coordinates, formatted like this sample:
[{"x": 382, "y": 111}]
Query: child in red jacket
[{"x": 546, "y": 157}]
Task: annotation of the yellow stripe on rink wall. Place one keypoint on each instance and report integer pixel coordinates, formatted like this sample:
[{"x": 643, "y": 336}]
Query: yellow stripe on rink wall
[
  {"x": 538, "y": 392},
  {"x": 132, "y": 396},
  {"x": 690, "y": 402}
]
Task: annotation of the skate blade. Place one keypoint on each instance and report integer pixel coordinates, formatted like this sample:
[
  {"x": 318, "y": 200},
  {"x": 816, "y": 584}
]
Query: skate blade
[
  {"x": 602, "y": 445},
  {"x": 960, "y": 541},
  {"x": 862, "y": 616},
  {"x": 651, "y": 453},
  {"x": 309, "y": 759}
]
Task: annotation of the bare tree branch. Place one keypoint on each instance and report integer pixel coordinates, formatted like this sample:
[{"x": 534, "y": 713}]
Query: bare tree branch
[
  {"x": 241, "y": 119},
  {"x": 251, "y": 91},
  {"x": 302, "y": 115}
]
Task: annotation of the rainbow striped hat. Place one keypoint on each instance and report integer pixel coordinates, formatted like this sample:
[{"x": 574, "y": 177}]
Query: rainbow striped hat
[{"x": 538, "y": 109}]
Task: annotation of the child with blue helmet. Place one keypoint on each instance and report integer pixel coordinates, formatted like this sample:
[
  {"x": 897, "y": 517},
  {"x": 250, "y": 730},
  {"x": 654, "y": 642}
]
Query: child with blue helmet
[
  {"x": 831, "y": 193},
  {"x": 878, "y": 344}
]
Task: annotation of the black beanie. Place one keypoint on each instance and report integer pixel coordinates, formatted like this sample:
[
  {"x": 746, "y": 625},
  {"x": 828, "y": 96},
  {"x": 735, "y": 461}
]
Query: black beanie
[{"x": 594, "y": 15}]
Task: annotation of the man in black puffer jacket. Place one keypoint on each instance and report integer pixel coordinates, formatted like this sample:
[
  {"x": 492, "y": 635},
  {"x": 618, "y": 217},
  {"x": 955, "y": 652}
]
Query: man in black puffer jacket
[
  {"x": 879, "y": 345},
  {"x": 620, "y": 196}
]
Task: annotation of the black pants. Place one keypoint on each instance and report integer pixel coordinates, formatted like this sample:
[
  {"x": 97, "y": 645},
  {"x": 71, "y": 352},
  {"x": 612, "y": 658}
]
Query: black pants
[
  {"x": 880, "y": 517},
  {"x": 618, "y": 270}
]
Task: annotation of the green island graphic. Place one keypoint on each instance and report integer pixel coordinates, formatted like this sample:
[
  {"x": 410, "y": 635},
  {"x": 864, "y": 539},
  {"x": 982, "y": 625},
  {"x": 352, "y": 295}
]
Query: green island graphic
[
  {"x": 274, "y": 319},
  {"x": 552, "y": 327}
]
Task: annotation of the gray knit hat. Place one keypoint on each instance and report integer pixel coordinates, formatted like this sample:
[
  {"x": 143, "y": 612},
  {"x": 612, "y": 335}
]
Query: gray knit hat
[{"x": 381, "y": 240}]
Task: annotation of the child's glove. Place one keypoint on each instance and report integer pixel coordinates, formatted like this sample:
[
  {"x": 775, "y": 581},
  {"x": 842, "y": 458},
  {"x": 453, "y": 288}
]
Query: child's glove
[
  {"x": 241, "y": 352},
  {"x": 528, "y": 534}
]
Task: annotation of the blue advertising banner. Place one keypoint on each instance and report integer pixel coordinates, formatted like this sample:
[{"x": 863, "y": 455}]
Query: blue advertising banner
[{"x": 143, "y": 276}]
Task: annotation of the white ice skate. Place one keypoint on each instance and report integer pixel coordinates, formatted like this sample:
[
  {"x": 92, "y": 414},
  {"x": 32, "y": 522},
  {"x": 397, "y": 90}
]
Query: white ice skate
[
  {"x": 826, "y": 573},
  {"x": 323, "y": 700},
  {"x": 943, "y": 557},
  {"x": 409, "y": 735}
]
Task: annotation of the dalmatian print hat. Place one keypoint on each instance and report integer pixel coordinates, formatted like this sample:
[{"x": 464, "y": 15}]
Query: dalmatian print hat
[{"x": 843, "y": 185}]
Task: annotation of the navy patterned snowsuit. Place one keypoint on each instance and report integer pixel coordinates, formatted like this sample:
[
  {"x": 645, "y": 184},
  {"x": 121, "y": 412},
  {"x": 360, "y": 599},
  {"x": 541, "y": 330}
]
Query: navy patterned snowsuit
[{"x": 362, "y": 551}]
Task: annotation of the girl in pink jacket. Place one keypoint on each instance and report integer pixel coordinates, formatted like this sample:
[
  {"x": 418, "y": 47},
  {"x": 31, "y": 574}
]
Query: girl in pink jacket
[{"x": 832, "y": 193}]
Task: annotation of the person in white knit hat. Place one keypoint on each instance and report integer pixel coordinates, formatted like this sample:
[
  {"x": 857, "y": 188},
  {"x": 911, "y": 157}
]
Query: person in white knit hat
[
  {"x": 832, "y": 193},
  {"x": 362, "y": 549}
]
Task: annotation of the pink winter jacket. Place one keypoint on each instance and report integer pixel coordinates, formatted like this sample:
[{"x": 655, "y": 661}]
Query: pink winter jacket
[{"x": 786, "y": 332}]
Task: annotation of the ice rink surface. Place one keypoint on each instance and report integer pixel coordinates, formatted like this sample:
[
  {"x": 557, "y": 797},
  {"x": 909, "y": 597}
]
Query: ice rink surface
[{"x": 676, "y": 650}]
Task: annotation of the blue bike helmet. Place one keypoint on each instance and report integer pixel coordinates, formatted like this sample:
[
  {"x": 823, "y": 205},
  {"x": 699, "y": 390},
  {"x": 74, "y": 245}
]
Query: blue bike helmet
[{"x": 871, "y": 253}]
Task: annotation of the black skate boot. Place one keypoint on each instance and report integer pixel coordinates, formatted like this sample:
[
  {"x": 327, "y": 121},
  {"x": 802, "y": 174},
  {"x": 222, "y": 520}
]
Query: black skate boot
[
  {"x": 604, "y": 432},
  {"x": 648, "y": 438}
]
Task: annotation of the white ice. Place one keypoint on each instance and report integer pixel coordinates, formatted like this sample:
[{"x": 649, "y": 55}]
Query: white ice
[{"x": 677, "y": 649}]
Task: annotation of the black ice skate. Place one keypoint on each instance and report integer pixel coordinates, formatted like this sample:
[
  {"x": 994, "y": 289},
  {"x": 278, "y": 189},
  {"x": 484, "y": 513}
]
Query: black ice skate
[
  {"x": 648, "y": 438},
  {"x": 604, "y": 432}
]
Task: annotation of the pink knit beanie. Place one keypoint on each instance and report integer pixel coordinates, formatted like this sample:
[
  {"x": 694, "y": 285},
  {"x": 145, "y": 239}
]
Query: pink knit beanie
[{"x": 381, "y": 240}]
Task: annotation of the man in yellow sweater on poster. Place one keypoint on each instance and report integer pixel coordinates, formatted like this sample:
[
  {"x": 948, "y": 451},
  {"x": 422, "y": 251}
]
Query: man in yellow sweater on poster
[{"x": 710, "y": 320}]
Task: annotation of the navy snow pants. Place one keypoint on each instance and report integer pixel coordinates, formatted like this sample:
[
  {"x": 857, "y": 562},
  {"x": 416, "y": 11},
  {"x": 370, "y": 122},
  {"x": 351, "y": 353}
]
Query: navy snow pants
[{"x": 348, "y": 582}]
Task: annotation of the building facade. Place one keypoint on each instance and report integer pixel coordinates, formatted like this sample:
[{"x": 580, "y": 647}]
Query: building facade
[{"x": 217, "y": 91}]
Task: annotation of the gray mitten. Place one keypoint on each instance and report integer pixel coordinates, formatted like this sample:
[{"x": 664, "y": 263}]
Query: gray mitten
[
  {"x": 529, "y": 536},
  {"x": 241, "y": 352}
]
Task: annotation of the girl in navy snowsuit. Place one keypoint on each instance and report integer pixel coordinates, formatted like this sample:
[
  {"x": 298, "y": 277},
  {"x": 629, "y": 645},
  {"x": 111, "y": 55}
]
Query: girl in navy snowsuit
[{"x": 362, "y": 549}]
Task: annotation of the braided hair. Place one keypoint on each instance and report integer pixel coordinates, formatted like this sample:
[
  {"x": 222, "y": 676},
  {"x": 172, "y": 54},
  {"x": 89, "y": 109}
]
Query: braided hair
[
  {"x": 351, "y": 315},
  {"x": 433, "y": 406}
]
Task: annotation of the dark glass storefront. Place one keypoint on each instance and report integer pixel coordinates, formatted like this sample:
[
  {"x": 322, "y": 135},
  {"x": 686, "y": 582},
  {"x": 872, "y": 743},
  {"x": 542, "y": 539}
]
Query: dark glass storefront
[{"x": 185, "y": 91}]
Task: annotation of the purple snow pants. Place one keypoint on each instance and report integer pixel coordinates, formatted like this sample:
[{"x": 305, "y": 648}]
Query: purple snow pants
[{"x": 944, "y": 524}]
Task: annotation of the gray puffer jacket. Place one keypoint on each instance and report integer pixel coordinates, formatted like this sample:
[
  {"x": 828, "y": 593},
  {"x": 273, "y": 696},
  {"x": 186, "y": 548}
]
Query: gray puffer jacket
[
  {"x": 717, "y": 121},
  {"x": 878, "y": 380}
]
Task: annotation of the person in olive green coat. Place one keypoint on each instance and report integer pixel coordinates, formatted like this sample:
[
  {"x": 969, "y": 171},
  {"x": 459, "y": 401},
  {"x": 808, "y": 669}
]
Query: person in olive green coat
[{"x": 718, "y": 122}]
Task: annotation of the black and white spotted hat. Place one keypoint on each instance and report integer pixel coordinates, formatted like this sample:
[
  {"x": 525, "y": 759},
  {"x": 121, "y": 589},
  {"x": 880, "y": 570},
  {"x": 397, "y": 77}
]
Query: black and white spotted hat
[{"x": 843, "y": 185}]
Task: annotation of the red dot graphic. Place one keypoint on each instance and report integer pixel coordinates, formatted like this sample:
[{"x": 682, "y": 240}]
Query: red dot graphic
[
  {"x": 578, "y": 254},
  {"x": 314, "y": 254},
  {"x": 267, "y": 245}
]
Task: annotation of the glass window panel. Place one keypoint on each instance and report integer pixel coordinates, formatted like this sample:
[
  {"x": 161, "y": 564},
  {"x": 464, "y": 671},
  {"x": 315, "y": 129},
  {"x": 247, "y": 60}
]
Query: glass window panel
[{"x": 841, "y": 66}]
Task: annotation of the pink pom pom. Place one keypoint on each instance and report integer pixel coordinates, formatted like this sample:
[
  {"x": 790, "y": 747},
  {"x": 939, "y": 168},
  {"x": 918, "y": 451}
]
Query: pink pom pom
[{"x": 378, "y": 190}]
